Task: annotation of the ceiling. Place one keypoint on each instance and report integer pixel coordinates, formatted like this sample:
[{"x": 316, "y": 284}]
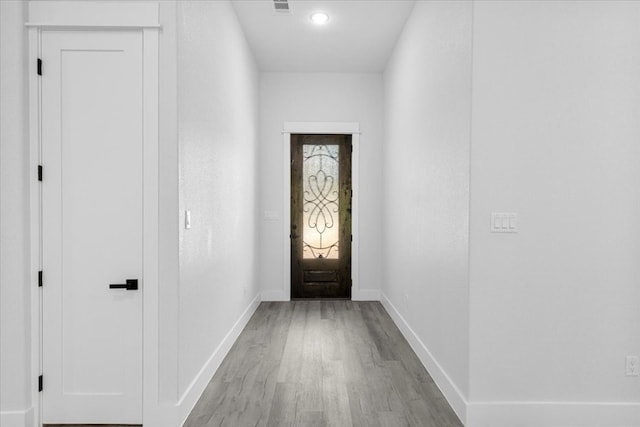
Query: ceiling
[{"x": 359, "y": 36}]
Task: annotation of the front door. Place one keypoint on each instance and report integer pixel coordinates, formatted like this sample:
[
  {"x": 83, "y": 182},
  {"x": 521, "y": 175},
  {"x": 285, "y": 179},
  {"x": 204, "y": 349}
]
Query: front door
[
  {"x": 91, "y": 118},
  {"x": 321, "y": 216}
]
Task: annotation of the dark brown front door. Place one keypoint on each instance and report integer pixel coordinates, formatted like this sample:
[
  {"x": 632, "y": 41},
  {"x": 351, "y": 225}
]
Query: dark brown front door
[{"x": 320, "y": 216}]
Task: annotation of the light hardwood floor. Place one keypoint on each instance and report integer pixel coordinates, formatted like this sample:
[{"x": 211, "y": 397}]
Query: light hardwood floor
[{"x": 321, "y": 363}]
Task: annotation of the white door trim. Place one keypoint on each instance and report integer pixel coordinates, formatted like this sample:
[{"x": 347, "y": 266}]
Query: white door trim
[
  {"x": 133, "y": 16},
  {"x": 97, "y": 14},
  {"x": 352, "y": 128},
  {"x": 151, "y": 212}
]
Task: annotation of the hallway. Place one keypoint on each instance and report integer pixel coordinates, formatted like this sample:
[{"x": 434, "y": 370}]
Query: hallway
[
  {"x": 321, "y": 363},
  {"x": 494, "y": 213}
]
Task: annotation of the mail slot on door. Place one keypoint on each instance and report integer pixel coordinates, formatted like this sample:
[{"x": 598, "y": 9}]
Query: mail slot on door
[{"x": 320, "y": 276}]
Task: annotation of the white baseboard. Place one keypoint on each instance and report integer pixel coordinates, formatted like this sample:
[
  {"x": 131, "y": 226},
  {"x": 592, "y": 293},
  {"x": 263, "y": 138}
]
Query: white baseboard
[
  {"x": 553, "y": 414},
  {"x": 516, "y": 414},
  {"x": 196, "y": 388},
  {"x": 366, "y": 295},
  {"x": 16, "y": 418},
  {"x": 448, "y": 388},
  {"x": 274, "y": 296}
]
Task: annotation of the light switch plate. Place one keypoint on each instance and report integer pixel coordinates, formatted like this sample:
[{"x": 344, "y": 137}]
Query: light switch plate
[
  {"x": 187, "y": 219},
  {"x": 632, "y": 366},
  {"x": 504, "y": 222}
]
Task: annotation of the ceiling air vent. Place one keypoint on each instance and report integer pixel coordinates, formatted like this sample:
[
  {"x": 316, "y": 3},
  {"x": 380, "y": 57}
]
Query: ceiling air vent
[{"x": 281, "y": 6}]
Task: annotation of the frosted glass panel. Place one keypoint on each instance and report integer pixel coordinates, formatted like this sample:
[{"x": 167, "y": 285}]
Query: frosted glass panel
[{"x": 321, "y": 191}]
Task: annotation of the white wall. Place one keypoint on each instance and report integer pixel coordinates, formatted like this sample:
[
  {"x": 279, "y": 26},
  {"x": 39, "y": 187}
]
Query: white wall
[
  {"x": 326, "y": 97},
  {"x": 218, "y": 122},
  {"x": 426, "y": 170},
  {"x": 15, "y": 374},
  {"x": 555, "y": 308}
]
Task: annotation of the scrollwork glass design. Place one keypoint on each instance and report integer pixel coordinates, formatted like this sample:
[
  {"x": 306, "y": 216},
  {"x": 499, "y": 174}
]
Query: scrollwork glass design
[{"x": 321, "y": 201}]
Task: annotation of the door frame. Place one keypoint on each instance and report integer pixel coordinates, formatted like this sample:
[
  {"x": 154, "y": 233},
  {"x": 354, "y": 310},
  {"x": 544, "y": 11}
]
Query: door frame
[
  {"x": 99, "y": 16},
  {"x": 349, "y": 128}
]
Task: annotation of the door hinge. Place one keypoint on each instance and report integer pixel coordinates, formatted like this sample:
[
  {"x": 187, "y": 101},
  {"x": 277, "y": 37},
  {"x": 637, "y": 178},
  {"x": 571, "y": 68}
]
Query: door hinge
[
  {"x": 40, "y": 383},
  {"x": 39, "y": 66},
  {"x": 352, "y": 237},
  {"x": 40, "y": 278},
  {"x": 39, "y": 172}
]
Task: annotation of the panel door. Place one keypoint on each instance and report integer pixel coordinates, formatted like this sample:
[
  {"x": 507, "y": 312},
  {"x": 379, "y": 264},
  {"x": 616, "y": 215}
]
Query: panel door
[
  {"x": 321, "y": 216},
  {"x": 91, "y": 118}
]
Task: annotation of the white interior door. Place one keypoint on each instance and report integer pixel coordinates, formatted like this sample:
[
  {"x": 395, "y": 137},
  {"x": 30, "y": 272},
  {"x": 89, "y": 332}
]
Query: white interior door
[{"x": 92, "y": 198}]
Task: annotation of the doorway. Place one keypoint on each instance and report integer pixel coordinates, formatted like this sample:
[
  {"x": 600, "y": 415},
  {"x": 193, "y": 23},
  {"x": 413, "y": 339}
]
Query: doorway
[
  {"x": 321, "y": 206},
  {"x": 92, "y": 154},
  {"x": 92, "y": 128}
]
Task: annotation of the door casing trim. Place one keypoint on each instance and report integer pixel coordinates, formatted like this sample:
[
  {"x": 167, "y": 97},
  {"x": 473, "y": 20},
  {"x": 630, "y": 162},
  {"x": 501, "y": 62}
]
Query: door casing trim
[
  {"x": 350, "y": 128},
  {"x": 143, "y": 17}
]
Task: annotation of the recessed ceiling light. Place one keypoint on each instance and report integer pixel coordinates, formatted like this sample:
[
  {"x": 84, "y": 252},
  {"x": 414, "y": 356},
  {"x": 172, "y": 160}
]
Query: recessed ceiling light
[{"x": 319, "y": 18}]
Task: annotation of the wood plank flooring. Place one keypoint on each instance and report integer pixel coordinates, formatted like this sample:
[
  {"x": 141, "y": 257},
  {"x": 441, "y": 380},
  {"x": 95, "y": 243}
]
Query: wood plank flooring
[{"x": 321, "y": 363}]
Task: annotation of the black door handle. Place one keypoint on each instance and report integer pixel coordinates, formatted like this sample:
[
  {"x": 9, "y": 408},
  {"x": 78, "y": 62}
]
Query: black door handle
[{"x": 131, "y": 285}]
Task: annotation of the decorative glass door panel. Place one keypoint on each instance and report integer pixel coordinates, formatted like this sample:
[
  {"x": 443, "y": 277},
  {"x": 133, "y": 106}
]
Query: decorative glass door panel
[
  {"x": 321, "y": 201},
  {"x": 320, "y": 216}
]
